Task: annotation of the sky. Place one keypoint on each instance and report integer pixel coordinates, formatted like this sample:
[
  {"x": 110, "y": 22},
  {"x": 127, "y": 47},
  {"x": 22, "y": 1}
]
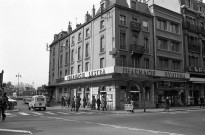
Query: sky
[{"x": 26, "y": 27}]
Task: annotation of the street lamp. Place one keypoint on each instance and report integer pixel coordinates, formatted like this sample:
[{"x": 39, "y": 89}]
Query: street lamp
[{"x": 18, "y": 79}]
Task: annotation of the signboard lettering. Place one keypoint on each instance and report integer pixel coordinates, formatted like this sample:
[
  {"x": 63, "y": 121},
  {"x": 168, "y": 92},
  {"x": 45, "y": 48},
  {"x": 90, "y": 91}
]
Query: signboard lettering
[
  {"x": 139, "y": 72},
  {"x": 174, "y": 75}
]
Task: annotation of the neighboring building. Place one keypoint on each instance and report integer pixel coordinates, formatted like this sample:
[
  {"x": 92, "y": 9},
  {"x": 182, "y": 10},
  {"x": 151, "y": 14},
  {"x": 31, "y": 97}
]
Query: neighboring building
[
  {"x": 169, "y": 54},
  {"x": 193, "y": 12},
  {"x": 113, "y": 55}
]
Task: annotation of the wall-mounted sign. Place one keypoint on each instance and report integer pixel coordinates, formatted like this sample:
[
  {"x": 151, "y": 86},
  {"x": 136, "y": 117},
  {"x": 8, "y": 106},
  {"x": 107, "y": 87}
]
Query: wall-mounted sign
[{"x": 197, "y": 70}]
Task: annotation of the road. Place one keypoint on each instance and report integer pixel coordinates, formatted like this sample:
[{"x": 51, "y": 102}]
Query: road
[{"x": 65, "y": 122}]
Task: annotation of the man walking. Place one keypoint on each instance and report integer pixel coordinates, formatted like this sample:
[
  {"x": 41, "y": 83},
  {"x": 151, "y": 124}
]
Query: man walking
[
  {"x": 167, "y": 104},
  {"x": 3, "y": 105}
]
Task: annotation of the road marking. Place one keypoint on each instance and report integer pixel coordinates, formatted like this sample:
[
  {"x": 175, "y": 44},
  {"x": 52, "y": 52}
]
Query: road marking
[
  {"x": 16, "y": 131},
  {"x": 23, "y": 113},
  {"x": 8, "y": 114},
  {"x": 50, "y": 113},
  {"x": 37, "y": 113},
  {"x": 63, "y": 113}
]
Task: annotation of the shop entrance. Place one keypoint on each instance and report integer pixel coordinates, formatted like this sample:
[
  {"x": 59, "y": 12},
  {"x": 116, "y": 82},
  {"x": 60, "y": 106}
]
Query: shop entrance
[{"x": 135, "y": 95}]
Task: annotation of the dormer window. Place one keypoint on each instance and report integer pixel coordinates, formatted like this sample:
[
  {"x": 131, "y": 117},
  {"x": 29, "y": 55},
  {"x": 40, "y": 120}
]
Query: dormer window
[
  {"x": 122, "y": 20},
  {"x": 102, "y": 6}
]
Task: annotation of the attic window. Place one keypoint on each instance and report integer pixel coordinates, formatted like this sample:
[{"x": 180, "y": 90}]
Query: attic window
[{"x": 102, "y": 7}]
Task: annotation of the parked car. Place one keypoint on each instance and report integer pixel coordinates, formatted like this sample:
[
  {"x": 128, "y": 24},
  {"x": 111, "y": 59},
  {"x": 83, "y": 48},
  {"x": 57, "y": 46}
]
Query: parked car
[
  {"x": 37, "y": 101},
  {"x": 11, "y": 103}
]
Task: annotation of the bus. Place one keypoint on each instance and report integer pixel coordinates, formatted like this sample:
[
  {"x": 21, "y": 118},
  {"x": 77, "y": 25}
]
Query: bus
[{"x": 27, "y": 95}]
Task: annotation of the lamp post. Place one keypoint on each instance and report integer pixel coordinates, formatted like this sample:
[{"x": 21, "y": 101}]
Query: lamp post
[{"x": 18, "y": 79}]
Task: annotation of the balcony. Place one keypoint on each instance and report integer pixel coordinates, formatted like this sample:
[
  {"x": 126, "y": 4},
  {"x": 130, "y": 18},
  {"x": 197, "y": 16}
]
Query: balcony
[
  {"x": 201, "y": 30},
  {"x": 194, "y": 48},
  {"x": 135, "y": 26},
  {"x": 137, "y": 50},
  {"x": 59, "y": 80},
  {"x": 190, "y": 27}
]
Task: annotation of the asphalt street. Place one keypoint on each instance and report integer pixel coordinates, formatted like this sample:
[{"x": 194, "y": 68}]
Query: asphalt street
[{"x": 65, "y": 122}]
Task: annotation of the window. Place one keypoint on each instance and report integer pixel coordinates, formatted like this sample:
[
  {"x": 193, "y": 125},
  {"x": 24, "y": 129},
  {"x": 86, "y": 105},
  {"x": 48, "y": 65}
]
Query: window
[
  {"x": 174, "y": 28},
  {"x": 146, "y": 63},
  {"x": 87, "y": 33},
  {"x": 79, "y": 68},
  {"x": 60, "y": 74},
  {"x": 53, "y": 63},
  {"x": 146, "y": 43},
  {"x": 122, "y": 20},
  {"x": 163, "y": 63},
  {"x": 79, "y": 53},
  {"x": 66, "y": 45},
  {"x": 86, "y": 66},
  {"x": 123, "y": 61},
  {"x": 66, "y": 58},
  {"x": 102, "y": 44},
  {"x": 133, "y": 4},
  {"x": 134, "y": 39},
  {"x": 87, "y": 50},
  {"x": 79, "y": 37},
  {"x": 161, "y": 24},
  {"x": 72, "y": 70},
  {"x": 145, "y": 25},
  {"x": 162, "y": 44},
  {"x": 66, "y": 72},
  {"x": 204, "y": 63},
  {"x": 122, "y": 40},
  {"x": 135, "y": 62},
  {"x": 61, "y": 60},
  {"x": 175, "y": 47},
  {"x": 176, "y": 65},
  {"x": 72, "y": 55},
  {"x": 102, "y": 24},
  {"x": 73, "y": 40},
  {"x": 193, "y": 61},
  {"x": 102, "y": 6},
  {"x": 54, "y": 51},
  {"x": 102, "y": 62}
]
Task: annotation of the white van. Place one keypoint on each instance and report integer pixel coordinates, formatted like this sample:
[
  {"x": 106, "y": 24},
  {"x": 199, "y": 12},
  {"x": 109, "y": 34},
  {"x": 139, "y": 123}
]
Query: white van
[{"x": 37, "y": 101}]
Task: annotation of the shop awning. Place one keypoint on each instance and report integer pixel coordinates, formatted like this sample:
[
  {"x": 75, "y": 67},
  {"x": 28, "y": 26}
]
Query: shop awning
[{"x": 197, "y": 80}]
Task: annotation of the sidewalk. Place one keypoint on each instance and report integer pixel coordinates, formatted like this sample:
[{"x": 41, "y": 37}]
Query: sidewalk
[{"x": 153, "y": 110}]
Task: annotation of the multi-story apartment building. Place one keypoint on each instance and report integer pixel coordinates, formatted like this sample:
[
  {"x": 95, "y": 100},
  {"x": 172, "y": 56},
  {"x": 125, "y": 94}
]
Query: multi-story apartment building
[
  {"x": 193, "y": 12},
  {"x": 113, "y": 55},
  {"x": 169, "y": 54}
]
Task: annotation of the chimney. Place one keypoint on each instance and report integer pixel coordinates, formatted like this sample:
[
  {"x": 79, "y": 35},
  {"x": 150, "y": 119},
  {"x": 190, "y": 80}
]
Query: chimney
[
  {"x": 55, "y": 37},
  {"x": 69, "y": 27},
  {"x": 87, "y": 17},
  {"x": 78, "y": 25},
  {"x": 93, "y": 11}
]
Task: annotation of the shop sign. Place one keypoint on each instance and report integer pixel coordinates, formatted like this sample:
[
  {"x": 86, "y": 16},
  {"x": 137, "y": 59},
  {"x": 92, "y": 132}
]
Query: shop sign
[
  {"x": 138, "y": 72},
  {"x": 197, "y": 69},
  {"x": 92, "y": 73},
  {"x": 174, "y": 75}
]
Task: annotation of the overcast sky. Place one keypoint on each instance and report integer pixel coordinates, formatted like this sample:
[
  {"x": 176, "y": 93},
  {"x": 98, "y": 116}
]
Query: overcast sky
[{"x": 25, "y": 28}]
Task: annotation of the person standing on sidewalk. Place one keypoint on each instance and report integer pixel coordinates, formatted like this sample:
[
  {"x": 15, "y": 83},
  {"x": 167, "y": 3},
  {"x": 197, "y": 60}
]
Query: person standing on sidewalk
[
  {"x": 77, "y": 103},
  {"x": 93, "y": 103},
  {"x": 84, "y": 102},
  {"x": 167, "y": 104},
  {"x": 3, "y": 105},
  {"x": 104, "y": 103},
  {"x": 201, "y": 101},
  {"x": 73, "y": 103},
  {"x": 98, "y": 103}
]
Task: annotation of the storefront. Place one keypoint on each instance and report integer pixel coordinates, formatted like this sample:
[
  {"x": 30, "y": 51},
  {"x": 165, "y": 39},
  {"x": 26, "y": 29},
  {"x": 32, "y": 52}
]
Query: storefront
[{"x": 118, "y": 84}]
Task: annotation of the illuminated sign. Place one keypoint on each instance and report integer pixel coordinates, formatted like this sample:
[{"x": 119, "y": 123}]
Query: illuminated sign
[{"x": 197, "y": 69}]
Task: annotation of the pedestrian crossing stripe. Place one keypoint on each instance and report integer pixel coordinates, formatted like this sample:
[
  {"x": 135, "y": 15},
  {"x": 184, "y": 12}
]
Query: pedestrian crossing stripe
[
  {"x": 63, "y": 113},
  {"x": 37, "y": 113},
  {"x": 8, "y": 114},
  {"x": 50, "y": 113},
  {"x": 23, "y": 113}
]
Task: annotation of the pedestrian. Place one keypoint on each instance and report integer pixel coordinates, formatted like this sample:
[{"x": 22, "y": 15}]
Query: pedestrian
[
  {"x": 132, "y": 103},
  {"x": 62, "y": 101},
  {"x": 3, "y": 105},
  {"x": 72, "y": 103},
  {"x": 167, "y": 104},
  {"x": 84, "y": 102},
  {"x": 68, "y": 101},
  {"x": 104, "y": 103},
  {"x": 98, "y": 103},
  {"x": 93, "y": 103},
  {"x": 77, "y": 103},
  {"x": 201, "y": 101}
]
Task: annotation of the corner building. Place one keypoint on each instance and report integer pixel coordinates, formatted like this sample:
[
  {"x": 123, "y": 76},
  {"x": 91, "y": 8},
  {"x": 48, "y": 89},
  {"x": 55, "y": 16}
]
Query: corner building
[{"x": 111, "y": 54}]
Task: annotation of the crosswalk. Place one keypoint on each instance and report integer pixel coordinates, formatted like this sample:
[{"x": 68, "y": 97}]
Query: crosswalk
[{"x": 46, "y": 113}]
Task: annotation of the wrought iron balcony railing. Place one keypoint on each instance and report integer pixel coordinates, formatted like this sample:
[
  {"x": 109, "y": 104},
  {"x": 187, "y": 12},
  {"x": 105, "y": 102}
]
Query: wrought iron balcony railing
[
  {"x": 135, "y": 26},
  {"x": 137, "y": 49}
]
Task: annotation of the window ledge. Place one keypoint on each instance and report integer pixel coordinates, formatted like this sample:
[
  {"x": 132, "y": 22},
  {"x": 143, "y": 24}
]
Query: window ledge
[
  {"x": 125, "y": 26},
  {"x": 87, "y": 38},
  {"x": 101, "y": 53},
  {"x": 86, "y": 58},
  {"x": 101, "y": 30}
]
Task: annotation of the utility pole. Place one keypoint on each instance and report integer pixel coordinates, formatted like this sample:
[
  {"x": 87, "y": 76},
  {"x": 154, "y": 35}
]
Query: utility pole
[{"x": 18, "y": 79}]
